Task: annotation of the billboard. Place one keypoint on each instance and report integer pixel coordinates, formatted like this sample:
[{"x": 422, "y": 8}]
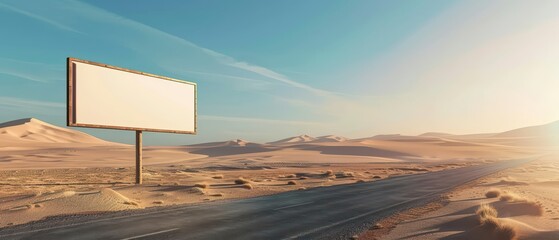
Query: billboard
[{"x": 103, "y": 96}]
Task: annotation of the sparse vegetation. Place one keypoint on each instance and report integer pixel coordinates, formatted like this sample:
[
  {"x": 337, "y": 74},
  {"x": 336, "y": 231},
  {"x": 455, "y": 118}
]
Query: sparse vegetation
[
  {"x": 505, "y": 232},
  {"x": 377, "y": 226},
  {"x": 487, "y": 216},
  {"x": 198, "y": 190},
  {"x": 493, "y": 193},
  {"x": 511, "y": 197},
  {"x": 242, "y": 181},
  {"x": 202, "y": 185},
  {"x": 484, "y": 212},
  {"x": 129, "y": 202},
  {"x": 530, "y": 207},
  {"x": 345, "y": 174}
]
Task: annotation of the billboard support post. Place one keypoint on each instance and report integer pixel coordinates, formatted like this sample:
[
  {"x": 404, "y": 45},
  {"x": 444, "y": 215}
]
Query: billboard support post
[{"x": 138, "y": 157}]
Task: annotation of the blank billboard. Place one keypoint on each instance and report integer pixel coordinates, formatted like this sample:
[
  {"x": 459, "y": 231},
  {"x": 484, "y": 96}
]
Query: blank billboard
[{"x": 103, "y": 96}]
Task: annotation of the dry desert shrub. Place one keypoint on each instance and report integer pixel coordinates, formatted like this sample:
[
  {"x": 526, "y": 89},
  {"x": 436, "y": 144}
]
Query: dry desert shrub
[
  {"x": 202, "y": 185},
  {"x": 377, "y": 226},
  {"x": 490, "y": 223},
  {"x": 528, "y": 206},
  {"x": 505, "y": 232},
  {"x": 129, "y": 202},
  {"x": 242, "y": 181},
  {"x": 485, "y": 212},
  {"x": 493, "y": 193},
  {"x": 488, "y": 220},
  {"x": 198, "y": 190},
  {"x": 345, "y": 174},
  {"x": 291, "y": 183}
]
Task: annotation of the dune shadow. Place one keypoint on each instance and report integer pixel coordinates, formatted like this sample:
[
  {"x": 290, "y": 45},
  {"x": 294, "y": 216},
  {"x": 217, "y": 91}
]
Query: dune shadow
[
  {"x": 459, "y": 225},
  {"x": 469, "y": 210},
  {"x": 546, "y": 235},
  {"x": 230, "y": 150},
  {"x": 354, "y": 151}
]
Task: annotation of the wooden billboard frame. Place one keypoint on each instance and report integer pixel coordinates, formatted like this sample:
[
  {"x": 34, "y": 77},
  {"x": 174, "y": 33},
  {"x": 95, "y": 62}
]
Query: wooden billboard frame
[
  {"x": 71, "y": 108},
  {"x": 71, "y": 98}
]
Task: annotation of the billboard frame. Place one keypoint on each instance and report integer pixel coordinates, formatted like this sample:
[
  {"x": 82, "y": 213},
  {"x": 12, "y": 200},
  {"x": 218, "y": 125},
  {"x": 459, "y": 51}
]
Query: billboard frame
[
  {"x": 71, "y": 98},
  {"x": 71, "y": 108}
]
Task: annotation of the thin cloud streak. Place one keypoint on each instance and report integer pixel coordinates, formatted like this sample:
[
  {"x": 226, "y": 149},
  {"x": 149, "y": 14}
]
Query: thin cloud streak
[
  {"x": 20, "y": 102},
  {"x": 251, "y": 80},
  {"x": 256, "y": 120},
  {"x": 32, "y": 71},
  {"x": 40, "y": 18}
]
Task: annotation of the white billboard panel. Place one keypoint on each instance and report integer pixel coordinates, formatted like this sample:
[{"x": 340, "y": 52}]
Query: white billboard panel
[{"x": 103, "y": 96}]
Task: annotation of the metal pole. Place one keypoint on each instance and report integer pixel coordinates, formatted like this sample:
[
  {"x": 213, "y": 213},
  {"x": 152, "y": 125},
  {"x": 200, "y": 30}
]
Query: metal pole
[{"x": 138, "y": 157}]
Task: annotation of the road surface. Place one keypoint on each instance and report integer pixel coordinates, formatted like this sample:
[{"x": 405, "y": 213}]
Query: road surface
[{"x": 336, "y": 212}]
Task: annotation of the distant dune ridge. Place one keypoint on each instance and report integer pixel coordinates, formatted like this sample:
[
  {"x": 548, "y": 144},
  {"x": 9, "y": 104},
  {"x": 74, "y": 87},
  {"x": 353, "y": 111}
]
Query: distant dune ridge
[
  {"x": 23, "y": 143},
  {"x": 34, "y": 130},
  {"x": 309, "y": 139},
  {"x": 296, "y": 139},
  {"x": 542, "y": 131}
]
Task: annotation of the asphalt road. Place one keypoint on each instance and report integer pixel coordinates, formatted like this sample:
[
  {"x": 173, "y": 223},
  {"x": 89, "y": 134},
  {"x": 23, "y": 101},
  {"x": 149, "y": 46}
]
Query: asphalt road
[{"x": 336, "y": 212}]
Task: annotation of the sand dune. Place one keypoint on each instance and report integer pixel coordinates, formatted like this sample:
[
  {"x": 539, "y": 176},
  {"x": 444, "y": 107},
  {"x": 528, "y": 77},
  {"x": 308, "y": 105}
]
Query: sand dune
[
  {"x": 30, "y": 130},
  {"x": 296, "y": 139},
  {"x": 63, "y": 202},
  {"x": 529, "y": 210},
  {"x": 37, "y": 180}
]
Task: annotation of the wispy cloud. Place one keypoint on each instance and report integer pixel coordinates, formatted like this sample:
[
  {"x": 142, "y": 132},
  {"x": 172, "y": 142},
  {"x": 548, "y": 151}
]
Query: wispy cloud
[
  {"x": 34, "y": 107},
  {"x": 252, "y": 81},
  {"x": 257, "y": 120},
  {"x": 32, "y": 71},
  {"x": 97, "y": 13},
  {"x": 23, "y": 103},
  {"x": 262, "y": 71},
  {"x": 39, "y": 18}
]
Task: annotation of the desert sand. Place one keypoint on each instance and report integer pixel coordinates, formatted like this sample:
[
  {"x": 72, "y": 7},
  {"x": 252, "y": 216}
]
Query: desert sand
[
  {"x": 523, "y": 203},
  {"x": 48, "y": 170}
]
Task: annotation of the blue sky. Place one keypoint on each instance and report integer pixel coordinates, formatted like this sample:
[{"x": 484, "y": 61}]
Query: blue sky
[{"x": 271, "y": 69}]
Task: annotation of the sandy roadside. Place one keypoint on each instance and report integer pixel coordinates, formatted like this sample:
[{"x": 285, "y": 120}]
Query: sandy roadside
[
  {"x": 525, "y": 201},
  {"x": 28, "y": 195}
]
